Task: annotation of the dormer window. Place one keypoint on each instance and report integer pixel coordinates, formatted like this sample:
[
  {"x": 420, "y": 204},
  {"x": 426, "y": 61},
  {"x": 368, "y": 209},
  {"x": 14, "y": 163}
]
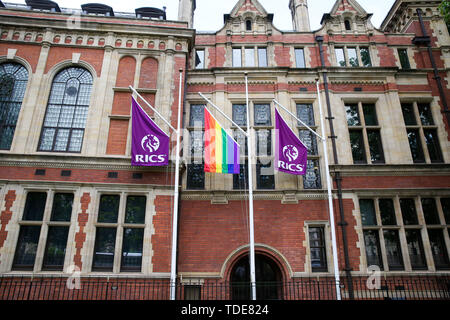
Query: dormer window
[
  {"x": 248, "y": 25},
  {"x": 347, "y": 24}
]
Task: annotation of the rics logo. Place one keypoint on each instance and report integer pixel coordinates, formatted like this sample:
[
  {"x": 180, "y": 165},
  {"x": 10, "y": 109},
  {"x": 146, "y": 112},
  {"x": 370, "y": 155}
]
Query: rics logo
[
  {"x": 150, "y": 143},
  {"x": 290, "y": 152}
]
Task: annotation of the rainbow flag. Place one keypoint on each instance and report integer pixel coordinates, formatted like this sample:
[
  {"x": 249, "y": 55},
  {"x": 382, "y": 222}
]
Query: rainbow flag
[{"x": 221, "y": 151}]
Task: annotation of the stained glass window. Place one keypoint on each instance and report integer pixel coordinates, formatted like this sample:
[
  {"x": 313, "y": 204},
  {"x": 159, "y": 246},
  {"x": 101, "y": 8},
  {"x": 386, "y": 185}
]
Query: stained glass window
[
  {"x": 67, "y": 111},
  {"x": 13, "y": 82}
]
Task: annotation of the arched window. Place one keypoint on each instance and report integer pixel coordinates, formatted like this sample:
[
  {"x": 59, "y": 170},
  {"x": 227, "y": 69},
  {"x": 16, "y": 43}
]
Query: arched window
[
  {"x": 67, "y": 110},
  {"x": 248, "y": 25},
  {"x": 347, "y": 24},
  {"x": 13, "y": 82}
]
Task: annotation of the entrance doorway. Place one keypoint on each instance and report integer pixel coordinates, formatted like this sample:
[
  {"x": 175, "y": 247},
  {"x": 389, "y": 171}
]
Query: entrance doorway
[{"x": 268, "y": 279}]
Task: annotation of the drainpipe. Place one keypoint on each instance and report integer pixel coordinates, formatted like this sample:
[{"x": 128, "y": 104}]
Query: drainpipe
[
  {"x": 337, "y": 176},
  {"x": 425, "y": 39}
]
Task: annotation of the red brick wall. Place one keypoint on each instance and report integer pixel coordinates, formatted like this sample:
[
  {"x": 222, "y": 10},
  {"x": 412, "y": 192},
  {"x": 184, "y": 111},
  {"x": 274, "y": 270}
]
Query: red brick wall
[
  {"x": 92, "y": 56},
  {"x": 30, "y": 53},
  {"x": 86, "y": 176},
  {"x": 5, "y": 216},
  {"x": 80, "y": 236},
  {"x": 210, "y": 233},
  {"x": 162, "y": 239},
  {"x": 149, "y": 73},
  {"x": 117, "y": 137}
]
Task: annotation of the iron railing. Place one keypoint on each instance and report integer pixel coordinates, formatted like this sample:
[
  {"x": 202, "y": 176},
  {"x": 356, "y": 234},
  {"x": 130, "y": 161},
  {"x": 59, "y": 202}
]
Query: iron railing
[{"x": 26, "y": 287}]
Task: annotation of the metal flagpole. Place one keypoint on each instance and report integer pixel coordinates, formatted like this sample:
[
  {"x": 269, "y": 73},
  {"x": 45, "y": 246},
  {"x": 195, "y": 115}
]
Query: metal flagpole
[
  {"x": 173, "y": 269},
  {"x": 173, "y": 265},
  {"x": 250, "y": 199},
  {"x": 330, "y": 198}
]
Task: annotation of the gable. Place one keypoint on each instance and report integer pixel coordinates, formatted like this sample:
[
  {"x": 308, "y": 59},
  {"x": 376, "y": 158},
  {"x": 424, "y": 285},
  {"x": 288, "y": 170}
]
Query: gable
[
  {"x": 245, "y": 6},
  {"x": 342, "y": 6}
]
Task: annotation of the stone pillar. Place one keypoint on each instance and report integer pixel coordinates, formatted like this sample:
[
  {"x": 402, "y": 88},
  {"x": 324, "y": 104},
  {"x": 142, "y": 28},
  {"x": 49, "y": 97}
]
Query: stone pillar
[
  {"x": 300, "y": 15},
  {"x": 186, "y": 10}
]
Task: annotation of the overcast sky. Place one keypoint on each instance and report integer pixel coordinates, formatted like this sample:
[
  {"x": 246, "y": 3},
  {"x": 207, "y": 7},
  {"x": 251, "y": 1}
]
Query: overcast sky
[{"x": 209, "y": 13}]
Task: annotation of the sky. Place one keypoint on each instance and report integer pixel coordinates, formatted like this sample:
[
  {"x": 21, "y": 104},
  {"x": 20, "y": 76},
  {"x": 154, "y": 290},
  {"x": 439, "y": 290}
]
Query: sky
[{"x": 209, "y": 13}]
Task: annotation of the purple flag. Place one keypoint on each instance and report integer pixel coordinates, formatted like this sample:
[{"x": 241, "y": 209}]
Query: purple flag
[
  {"x": 149, "y": 144},
  {"x": 290, "y": 153}
]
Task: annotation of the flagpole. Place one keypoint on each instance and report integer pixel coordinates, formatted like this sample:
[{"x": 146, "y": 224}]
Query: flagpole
[
  {"x": 151, "y": 107},
  {"x": 173, "y": 266},
  {"x": 250, "y": 200},
  {"x": 330, "y": 198}
]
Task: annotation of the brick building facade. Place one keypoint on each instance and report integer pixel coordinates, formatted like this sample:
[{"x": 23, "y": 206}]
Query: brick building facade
[{"x": 69, "y": 198}]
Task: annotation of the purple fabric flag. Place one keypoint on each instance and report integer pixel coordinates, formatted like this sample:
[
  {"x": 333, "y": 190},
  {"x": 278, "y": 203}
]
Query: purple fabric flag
[
  {"x": 290, "y": 153},
  {"x": 149, "y": 144}
]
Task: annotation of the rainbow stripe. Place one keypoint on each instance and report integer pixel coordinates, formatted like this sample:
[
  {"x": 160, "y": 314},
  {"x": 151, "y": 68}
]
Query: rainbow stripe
[{"x": 221, "y": 151}]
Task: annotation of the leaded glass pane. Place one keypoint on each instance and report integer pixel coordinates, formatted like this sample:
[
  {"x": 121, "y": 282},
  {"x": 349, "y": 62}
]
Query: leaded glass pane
[
  {"x": 312, "y": 180},
  {"x": 265, "y": 175},
  {"x": 367, "y": 208},
  {"x": 387, "y": 212},
  {"x": 76, "y": 140},
  {"x": 197, "y": 115},
  {"x": 240, "y": 181},
  {"x": 408, "y": 114},
  {"x": 241, "y": 139},
  {"x": 425, "y": 114},
  {"x": 13, "y": 82},
  {"x": 404, "y": 60},
  {"x": 409, "y": 213},
  {"x": 105, "y": 242},
  {"x": 375, "y": 146},
  {"x": 262, "y": 115},
  {"x": 264, "y": 142},
  {"x": 365, "y": 57},
  {"x": 26, "y": 247},
  {"x": 370, "y": 114},
  {"x": 393, "y": 250},
  {"x": 62, "y": 137},
  {"x": 445, "y": 202},
  {"x": 310, "y": 141},
  {"x": 237, "y": 57},
  {"x": 415, "y": 249},
  {"x": 240, "y": 114},
  {"x": 262, "y": 57},
  {"x": 196, "y": 143},
  {"x": 47, "y": 139},
  {"x": 249, "y": 57},
  {"x": 430, "y": 212},
  {"x": 52, "y": 116},
  {"x": 109, "y": 208},
  {"x": 195, "y": 176},
  {"x": 415, "y": 145},
  {"x": 62, "y": 207},
  {"x": 352, "y": 115},
  {"x": 432, "y": 141},
  {"x": 68, "y": 109},
  {"x": 55, "y": 250},
  {"x": 305, "y": 113},
  {"x": 357, "y": 145},
  {"x": 340, "y": 57},
  {"x": 133, "y": 240},
  {"x": 372, "y": 244},
  {"x": 35, "y": 206},
  {"x": 66, "y": 116},
  {"x": 299, "y": 58},
  {"x": 438, "y": 249},
  {"x": 353, "y": 57},
  {"x": 135, "y": 211}
]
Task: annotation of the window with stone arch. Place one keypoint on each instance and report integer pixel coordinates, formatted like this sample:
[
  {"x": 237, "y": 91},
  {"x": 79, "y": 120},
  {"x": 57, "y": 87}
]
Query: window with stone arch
[
  {"x": 67, "y": 110},
  {"x": 13, "y": 83}
]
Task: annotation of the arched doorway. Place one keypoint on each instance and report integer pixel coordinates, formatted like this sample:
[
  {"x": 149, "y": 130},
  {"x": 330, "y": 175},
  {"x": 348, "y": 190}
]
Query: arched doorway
[{"x": 268, "y": 279}]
